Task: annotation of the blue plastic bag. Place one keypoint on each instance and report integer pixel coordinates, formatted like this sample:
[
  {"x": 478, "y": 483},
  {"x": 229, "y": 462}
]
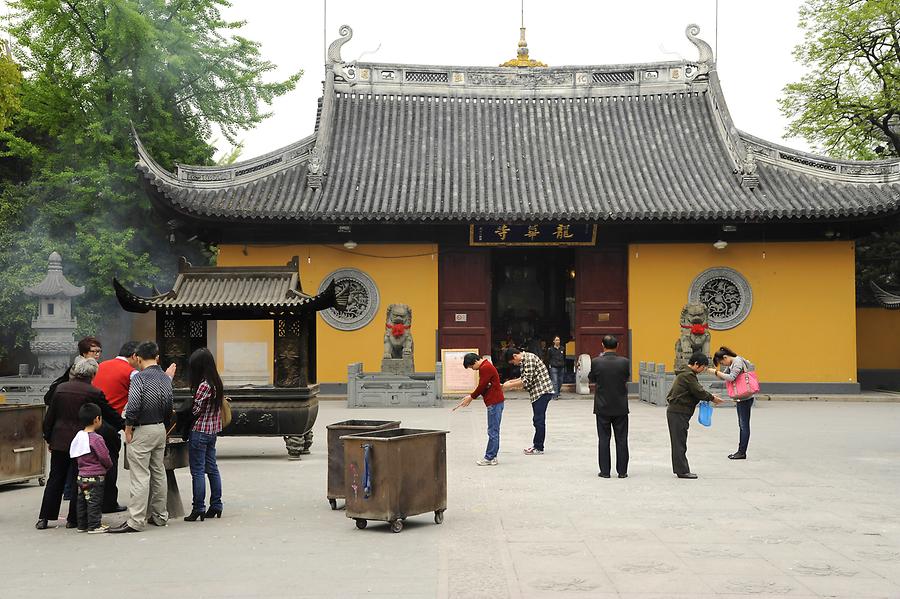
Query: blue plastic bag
[{"x": 704, "y": 415}]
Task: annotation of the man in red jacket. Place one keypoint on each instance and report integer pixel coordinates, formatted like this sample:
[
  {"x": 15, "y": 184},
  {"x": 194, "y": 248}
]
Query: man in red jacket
[
  {"x": 491, "y": 390},
  {"x": 113, "y": 378}
]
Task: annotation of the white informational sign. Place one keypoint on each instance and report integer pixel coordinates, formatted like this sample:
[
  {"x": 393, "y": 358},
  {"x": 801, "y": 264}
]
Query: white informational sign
[
  {"x": 245, "y": 363},
  {"x": 456, "y": 378}
]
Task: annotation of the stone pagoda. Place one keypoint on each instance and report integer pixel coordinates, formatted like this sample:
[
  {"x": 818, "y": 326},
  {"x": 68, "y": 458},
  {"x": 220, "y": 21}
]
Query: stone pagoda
[{"x": 54, "y": 341}]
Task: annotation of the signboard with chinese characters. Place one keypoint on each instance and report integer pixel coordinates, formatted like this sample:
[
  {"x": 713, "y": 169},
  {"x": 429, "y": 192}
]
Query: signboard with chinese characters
[
  {"x": 456, "y": 377},
  {"x": 534, "y": 235}
]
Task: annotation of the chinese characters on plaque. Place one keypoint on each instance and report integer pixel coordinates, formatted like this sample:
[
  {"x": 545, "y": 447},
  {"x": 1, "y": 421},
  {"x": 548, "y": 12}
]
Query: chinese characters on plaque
[{"x": 537, "y": 234}]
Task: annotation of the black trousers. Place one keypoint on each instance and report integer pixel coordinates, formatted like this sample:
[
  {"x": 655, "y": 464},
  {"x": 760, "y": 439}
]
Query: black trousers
[
  {"x": 56, "y": 481},
  {"x": 110, "y": 491},
  {"x": 90, "y": 500},
  {"x": 678, "y": 433},
  {"x": 619, "y": 426}
]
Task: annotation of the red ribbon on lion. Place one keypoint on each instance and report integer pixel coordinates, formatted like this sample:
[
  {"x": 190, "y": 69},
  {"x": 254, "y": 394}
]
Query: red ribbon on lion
[
  {"x": 696, "y": 329},
  {"x": 397, "y": 330}
]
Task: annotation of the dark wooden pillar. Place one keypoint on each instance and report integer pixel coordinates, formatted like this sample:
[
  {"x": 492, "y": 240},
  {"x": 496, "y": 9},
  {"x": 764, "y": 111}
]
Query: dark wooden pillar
[
  {"x": 601, "y": 298},
  {"x": 464, "y": 298}
]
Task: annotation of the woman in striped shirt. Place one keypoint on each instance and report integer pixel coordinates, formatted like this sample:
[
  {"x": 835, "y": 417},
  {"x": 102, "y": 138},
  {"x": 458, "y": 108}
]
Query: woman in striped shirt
[{"x": 207, "y": 412}]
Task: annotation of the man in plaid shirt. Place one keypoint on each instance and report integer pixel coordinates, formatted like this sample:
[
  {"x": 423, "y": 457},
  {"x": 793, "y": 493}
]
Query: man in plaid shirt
[{"x": 536, "y": 380}]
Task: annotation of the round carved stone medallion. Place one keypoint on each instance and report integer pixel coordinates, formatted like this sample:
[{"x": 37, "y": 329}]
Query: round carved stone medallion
[
  {"x": 361, "y": 305},
  {"x": 726, "y": 293}
]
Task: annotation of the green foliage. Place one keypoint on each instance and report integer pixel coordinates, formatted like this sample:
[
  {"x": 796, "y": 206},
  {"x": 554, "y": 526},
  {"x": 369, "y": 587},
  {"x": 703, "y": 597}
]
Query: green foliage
[
  {"x": 10, "y": 90},
  {"x": 177, "y": 71},
  {"x": 848, "y": 105}
]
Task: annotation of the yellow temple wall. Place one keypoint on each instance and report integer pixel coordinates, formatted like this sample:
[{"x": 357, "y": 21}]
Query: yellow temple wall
[
  {"x": 403, "y": 273},
  {"x": 801, "y": 327},
  {"x": 878, "y": 338}
]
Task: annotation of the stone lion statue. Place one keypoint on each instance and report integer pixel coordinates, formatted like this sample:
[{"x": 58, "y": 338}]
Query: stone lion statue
[
  {"x": 694, "y": 335},
  {"x": 398, "y": 340}
]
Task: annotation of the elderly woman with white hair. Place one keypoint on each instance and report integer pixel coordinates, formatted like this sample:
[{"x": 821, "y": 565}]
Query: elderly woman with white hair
[{"x": 60, "y": 426}]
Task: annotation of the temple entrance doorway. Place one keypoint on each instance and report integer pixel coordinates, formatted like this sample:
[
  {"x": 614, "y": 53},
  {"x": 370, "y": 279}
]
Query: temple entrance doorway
[{"x": 532, "y": 300}]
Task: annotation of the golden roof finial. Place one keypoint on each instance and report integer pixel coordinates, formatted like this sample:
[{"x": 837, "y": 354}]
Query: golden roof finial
[{"x": 521, "y": 59}]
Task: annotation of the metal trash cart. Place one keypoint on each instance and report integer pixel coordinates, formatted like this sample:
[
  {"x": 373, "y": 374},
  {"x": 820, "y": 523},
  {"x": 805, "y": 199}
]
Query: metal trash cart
[
  {"x": 23, "y": 453},
  {"x": 392, "y": 474},
  {"x": 336, "y": 451}
]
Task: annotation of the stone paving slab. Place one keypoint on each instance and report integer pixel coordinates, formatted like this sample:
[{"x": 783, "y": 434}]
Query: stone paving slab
[{"x": 812, "y": 513}]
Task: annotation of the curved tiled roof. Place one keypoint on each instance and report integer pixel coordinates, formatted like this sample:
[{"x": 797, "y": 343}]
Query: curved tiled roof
[
  {"x": 232, "y": 288},
  {"x": 54, "y": 283},
  {"x": 411, "y": 143}
]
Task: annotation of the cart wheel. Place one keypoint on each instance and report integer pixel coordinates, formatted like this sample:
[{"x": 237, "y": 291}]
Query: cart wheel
[
  {"x": 42, "y": 481},
  {"x": 397, "y": 525},
  {"x": 361, "y": 523},
  {"x": 333, "y": 503},
  {"x": 439, "y": 517}
]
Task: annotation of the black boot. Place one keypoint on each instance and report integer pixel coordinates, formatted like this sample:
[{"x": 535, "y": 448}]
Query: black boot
[
  {"x": 194, "y": 515},
  {"x": 213, "y": 512}
]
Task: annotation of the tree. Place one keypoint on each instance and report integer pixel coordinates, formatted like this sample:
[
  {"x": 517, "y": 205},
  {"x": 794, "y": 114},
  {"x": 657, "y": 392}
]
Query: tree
[
  {"x": 848, "y": 105},
  {"x": 176, "y": 70}
]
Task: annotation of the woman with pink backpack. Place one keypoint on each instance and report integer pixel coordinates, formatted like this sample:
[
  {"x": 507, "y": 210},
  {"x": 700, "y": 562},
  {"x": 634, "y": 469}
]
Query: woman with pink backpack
[{"x": 741, "y": 383}]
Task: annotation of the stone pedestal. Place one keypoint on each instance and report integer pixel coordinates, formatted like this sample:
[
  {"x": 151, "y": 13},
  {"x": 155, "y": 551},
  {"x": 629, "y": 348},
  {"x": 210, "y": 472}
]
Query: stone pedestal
[
  {"x": 384, "y": 390},
  {"x": 397, "y": 365}
]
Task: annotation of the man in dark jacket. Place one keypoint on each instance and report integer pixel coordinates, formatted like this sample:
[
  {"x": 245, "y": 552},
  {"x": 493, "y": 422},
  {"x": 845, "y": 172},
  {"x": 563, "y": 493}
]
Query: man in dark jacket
[
  {"x": 610, "y": 373},
  {"x": 685, "y": 394},
  {"x": 61, "y": 423}
]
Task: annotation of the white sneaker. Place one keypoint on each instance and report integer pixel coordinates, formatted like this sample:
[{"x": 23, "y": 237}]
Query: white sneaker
[
  {"x": 533, "y": 451},
  {"x": 484, "y": 462},
  {"x": 100, "y": 529}
]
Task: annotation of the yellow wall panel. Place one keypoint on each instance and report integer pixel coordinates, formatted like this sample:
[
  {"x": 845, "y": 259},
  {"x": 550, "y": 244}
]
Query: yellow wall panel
[
  {"x": 878, "y": 338},
  {"x": 403, "y": 273},
  {"x": 801, "y": 328}
]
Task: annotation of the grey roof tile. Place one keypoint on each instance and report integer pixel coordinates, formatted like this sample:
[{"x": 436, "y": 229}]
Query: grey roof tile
[{"x": 650, "y": 157}]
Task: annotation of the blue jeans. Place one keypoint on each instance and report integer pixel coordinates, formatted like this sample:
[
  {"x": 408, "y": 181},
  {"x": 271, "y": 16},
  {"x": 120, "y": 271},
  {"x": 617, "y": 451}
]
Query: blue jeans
[
  {"x": 539, "y": 409},
  {"x": 202, "y": 457},
  {"x": 494, "y": 414},
  {"x": 556, "y": 377},
  {"x": 743, "y": 414}
]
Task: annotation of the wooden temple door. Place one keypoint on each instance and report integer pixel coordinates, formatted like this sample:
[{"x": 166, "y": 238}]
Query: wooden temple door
[
  {"x": 464, "y": 299},
  {"x": 601, "y": 298}
]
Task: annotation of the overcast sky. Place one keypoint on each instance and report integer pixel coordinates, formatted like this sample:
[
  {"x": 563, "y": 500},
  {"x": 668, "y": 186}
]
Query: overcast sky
[
  {"x": 755, "y": 43},
  {"x": 754, "y": 46}
]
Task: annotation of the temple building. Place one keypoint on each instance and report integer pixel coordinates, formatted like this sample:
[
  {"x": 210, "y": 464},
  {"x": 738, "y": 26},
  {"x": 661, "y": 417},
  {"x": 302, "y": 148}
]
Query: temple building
[{"x": 510, "y": 204}]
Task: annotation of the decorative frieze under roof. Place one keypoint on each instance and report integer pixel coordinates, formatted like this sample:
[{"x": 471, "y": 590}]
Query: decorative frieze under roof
[{"x": 419, "y": 143}]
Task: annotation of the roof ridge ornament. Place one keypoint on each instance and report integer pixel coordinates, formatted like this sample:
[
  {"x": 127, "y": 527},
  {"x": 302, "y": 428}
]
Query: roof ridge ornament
[
  {"x": 749, "y": 178},
  {"x": 707, "y": 59},
  {"x": 521, "y": 60},
  {"x": 334, "y": 50}
]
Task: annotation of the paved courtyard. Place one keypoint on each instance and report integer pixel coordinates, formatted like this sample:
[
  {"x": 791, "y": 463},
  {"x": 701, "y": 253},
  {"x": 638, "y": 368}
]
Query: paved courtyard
[{"x": 814, "y": 512}]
